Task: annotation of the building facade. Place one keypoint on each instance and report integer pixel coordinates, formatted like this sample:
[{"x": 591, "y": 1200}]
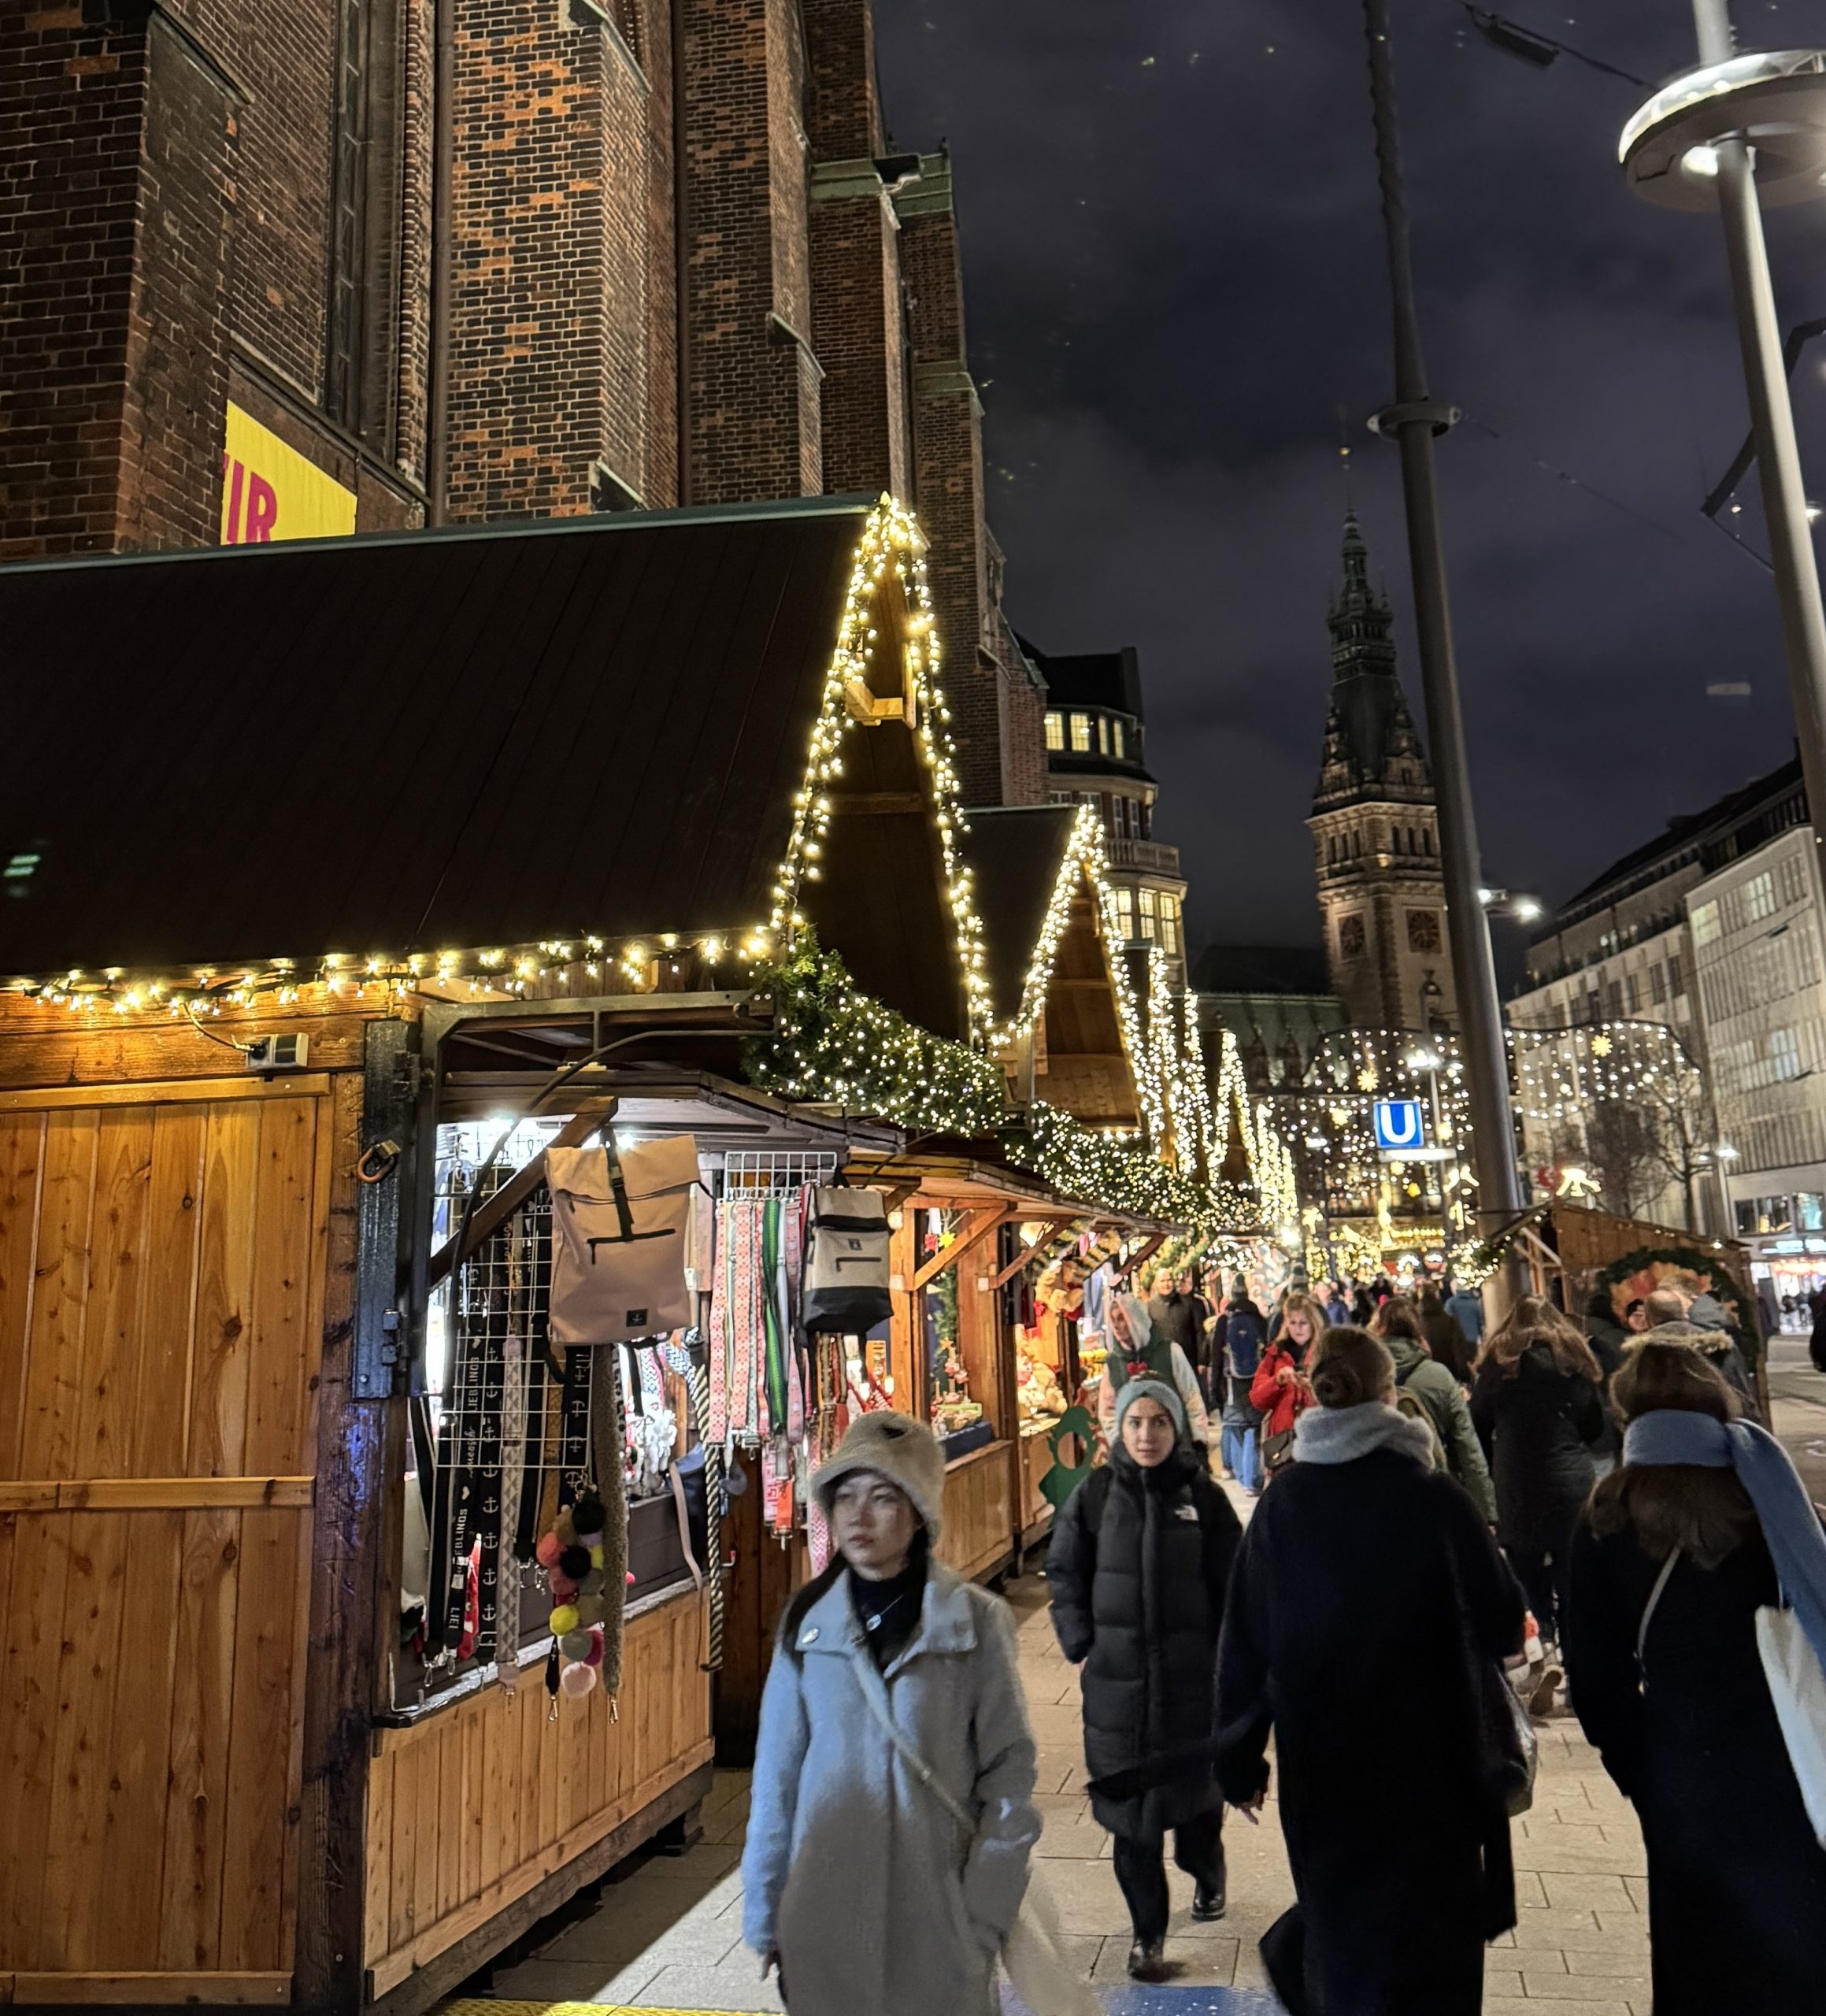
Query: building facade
[
  {"x": 1096, "y": 737},
  {"x": 1661, "y": 945},
  {"x": 1375, "y": 825},
  {"x": 371, "y": 265},
  {"x": 1756, "y": 928}
]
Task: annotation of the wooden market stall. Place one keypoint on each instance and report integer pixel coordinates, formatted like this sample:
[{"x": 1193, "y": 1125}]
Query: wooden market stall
[{"x": 223, "y": 1116}]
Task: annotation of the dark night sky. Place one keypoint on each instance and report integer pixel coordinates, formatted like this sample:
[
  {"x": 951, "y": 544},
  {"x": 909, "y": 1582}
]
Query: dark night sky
[{"x": 1173, "y": 258}]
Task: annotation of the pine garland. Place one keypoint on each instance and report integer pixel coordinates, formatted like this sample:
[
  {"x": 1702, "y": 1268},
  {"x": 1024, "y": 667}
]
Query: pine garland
[{"x": 830, "y": 1042}]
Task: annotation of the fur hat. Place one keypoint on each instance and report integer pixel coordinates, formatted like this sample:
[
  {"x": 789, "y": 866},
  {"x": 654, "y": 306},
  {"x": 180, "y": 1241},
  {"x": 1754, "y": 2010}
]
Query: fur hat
[
  {"x": 896, "y": 1447},
  {"x": 1161, "y": 1393}
]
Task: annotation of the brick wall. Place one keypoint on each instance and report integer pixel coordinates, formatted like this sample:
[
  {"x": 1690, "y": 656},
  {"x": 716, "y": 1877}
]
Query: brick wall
[
  {"x": 857, "y": 330},
  {"x": 754, "y": 429},
  {"x": 176, "y": 362},
  {"x": 71, "y": 104},
  {"x": 115, "y": 146},
  {"x": 285, "y": 57},
  {"x": 555, "y": 258}
]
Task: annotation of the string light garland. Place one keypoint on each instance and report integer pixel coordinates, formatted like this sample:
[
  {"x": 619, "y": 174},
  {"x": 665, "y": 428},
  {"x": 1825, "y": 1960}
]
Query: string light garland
[
  {"x": 551, "y": 967},
  {"x": 831, "y": 1042},
  {"x": 891, "y": 547}
]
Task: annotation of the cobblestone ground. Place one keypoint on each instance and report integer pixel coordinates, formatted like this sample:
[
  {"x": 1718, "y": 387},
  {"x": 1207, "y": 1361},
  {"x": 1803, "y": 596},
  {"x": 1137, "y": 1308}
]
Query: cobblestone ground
[{"x": 667, "y": 1935}]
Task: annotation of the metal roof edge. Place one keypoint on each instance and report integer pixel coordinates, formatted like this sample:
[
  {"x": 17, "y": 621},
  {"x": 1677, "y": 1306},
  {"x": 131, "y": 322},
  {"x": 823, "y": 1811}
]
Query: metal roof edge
[{"x": 848, "y": 504}]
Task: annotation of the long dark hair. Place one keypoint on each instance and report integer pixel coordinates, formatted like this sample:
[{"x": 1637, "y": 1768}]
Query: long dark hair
[
  {"x": 793, "y": 1614},
  {"x": 1534, "y": 1320},
  {"x": 1706, "y": 1512}
]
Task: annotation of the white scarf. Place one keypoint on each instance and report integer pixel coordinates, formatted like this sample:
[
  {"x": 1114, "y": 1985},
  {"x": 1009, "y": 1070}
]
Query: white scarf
[{"x": 1340, "y": 1435}]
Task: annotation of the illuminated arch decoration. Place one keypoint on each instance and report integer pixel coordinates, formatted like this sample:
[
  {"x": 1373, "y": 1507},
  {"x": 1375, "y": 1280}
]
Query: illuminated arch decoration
[{"x": 888, "y": 600}]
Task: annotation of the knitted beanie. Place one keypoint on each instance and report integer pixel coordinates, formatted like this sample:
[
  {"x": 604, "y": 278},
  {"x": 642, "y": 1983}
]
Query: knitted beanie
[
  {"x": 1162, "y": 1395},
  {"x": 896, "y": 1447}
]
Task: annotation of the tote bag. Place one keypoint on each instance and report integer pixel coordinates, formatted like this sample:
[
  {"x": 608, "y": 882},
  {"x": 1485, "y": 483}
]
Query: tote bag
[
  {"x": 607, "y": 1288},
  {"x": 1797, "y": 1688}
]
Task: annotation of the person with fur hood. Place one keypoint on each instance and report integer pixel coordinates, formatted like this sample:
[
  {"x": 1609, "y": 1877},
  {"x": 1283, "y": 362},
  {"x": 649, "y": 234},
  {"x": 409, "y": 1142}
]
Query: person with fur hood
[
  {"x": 1698, "y": 1321},
  {"x": 1137, "y": 1351}
]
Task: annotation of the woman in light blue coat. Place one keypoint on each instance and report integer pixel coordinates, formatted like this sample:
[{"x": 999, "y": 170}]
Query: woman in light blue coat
[{"x": 861, "y": 1883}]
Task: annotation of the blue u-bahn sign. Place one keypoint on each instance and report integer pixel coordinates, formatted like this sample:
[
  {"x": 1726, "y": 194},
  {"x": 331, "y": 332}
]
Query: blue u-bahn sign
[{"x": 1399, "y": 1124}]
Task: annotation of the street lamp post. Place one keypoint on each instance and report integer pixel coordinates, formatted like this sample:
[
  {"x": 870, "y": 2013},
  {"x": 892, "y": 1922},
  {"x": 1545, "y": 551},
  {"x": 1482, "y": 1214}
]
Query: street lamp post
[
  {"x": 1413, "y": 421},
  {"x": 1740, "y": 131}
]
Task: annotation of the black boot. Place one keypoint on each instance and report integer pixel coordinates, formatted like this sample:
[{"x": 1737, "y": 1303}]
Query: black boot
[
  {"x": 1210, "y": 1900},
  {"x": 1146, "y": 1961}
]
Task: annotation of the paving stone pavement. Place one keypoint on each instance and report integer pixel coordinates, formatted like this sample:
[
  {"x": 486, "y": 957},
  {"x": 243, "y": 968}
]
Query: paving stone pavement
[{"x": 667, "y": 1935}]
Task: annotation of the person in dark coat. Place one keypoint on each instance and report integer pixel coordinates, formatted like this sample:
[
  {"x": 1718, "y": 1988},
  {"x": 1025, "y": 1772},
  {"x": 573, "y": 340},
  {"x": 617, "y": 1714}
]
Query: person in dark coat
[
  {"x": 1608, "y": 1341},
  {"x": 1676, "y": 1318},
  {"x": 1737, "y": 1881},
  {"x": 1365, "y": 1560},
  {"x": 1444, "y": 1337},
  {"x": 1175, "y": 1316},
  {"x": 1137, "y": 1572},
  {"x": 1816, "y": 1337},
  {"x": 1538, "y": 1411}
]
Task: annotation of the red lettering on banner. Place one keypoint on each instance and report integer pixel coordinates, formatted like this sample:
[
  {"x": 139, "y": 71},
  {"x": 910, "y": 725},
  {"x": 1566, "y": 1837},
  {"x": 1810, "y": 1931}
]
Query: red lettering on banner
[
  {"x": 262, "y": 510},
  {"x": 233, "y": 537}
]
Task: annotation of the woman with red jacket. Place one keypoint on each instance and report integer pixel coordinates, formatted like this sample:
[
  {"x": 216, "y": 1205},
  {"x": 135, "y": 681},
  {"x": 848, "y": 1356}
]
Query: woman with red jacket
[{"x": 1280, "y": 1391}]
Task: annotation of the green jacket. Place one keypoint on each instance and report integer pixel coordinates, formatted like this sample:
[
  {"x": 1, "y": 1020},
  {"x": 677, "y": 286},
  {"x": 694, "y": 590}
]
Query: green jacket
[{"x": 1443, "y": 1398}]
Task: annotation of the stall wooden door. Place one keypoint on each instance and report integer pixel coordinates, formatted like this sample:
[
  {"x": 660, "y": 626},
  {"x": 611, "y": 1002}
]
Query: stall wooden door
[{"x": 161, "y": 1278}]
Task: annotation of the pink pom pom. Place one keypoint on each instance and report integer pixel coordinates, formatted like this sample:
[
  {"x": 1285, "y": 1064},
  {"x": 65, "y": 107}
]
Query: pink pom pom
[
  {"x": 631, "y": 1578},
  {"x": 577, "y": 1681},
  {"x": 547, "y": 1553},
  {"x": 563, "y": 1587},
  {"x": 593, "y": 1656}
]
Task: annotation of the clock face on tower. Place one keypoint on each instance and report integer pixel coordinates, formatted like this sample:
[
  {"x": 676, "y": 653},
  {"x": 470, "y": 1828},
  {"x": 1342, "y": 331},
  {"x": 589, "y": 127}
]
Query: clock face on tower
[
  {"x": 1351, "y": 936},
  {"x": 1423, "y": 931}
]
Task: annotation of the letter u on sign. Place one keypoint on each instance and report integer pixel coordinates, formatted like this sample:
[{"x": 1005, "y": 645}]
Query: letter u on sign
[{"x": 1400, "y": 1124}]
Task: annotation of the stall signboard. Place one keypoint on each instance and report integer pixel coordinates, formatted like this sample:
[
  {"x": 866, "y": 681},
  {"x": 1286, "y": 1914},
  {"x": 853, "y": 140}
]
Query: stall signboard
[{"x": 270, "y": 491}]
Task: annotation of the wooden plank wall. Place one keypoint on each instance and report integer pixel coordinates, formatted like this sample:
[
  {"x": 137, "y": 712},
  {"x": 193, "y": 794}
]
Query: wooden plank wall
[
  {"x": 161, "y": 1258},
  {"x": 979, "y": 1510},
  {"x": 473, "y": 1807}
]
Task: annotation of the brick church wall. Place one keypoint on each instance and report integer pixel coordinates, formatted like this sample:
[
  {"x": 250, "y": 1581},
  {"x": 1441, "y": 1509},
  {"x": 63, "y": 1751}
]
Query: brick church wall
[{"x": 755, "y": 385}]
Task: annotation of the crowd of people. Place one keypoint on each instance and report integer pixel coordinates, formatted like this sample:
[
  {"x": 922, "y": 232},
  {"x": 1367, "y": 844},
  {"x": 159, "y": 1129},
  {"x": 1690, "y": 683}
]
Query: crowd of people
[{"x": 1418, "y": 1489}]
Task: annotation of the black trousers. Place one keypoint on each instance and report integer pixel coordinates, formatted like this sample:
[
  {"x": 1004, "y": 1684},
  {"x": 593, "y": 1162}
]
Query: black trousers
[
  {"x": 1141, "y": 1869},
  {"x": 1544, "y": 1583}
]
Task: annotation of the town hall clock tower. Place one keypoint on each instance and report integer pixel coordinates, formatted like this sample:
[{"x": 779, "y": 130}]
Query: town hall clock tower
[{"x": 1375, "y": 825}]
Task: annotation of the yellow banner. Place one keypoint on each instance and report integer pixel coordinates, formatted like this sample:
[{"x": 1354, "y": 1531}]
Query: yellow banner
[{"x": 271, "y": 491}]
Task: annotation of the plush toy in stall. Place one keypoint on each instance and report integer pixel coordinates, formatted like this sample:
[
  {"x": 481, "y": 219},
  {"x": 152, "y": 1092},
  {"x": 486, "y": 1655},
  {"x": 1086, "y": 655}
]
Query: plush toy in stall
[{"x": 572, "y": 1556}]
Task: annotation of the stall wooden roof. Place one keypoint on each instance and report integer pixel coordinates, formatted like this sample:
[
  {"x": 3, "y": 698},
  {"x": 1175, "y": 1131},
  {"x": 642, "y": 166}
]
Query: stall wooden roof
[{"x": 489, "y": 736}]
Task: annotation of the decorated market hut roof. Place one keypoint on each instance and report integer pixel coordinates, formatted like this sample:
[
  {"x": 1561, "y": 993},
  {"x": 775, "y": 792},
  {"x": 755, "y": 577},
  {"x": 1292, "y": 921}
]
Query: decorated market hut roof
[{"x": 590, "y": 737}]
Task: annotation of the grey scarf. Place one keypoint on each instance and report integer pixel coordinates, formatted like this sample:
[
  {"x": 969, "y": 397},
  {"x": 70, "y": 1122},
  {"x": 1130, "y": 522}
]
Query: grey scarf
[{"x": 1340, "y": 1435}]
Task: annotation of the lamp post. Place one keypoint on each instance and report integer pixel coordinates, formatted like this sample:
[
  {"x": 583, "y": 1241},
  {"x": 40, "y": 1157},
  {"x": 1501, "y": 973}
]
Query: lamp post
[
  {"x": 1413, "y": 421},
  {"x": 1737, "y": 132}
]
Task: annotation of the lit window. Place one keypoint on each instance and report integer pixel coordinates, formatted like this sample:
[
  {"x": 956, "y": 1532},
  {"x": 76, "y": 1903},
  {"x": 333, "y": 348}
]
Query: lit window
[
  {"x": 1759, "y": 897},
  {"x": 1081, "y": 734},
  {"x": 1149, "y": 912},
  {"x": 1116, "y": 739},
  {"x": 1102, "y": 735},
  {"x": 1705, "y": 924},
  {"x": 1170, "y": 925},
  {"x": 1055, "y": 731},
  {"x": 1125, "y": 912}
]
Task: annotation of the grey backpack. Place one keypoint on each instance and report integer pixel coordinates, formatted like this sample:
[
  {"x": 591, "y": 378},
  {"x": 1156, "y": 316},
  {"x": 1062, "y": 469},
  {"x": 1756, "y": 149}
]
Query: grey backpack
[{"x": 844, "y": 1287}]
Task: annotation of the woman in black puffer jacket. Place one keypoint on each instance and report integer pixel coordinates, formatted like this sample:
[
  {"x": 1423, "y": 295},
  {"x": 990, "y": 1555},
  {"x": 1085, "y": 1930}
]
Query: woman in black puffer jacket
[{"x": 1137, "y": 1572}]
